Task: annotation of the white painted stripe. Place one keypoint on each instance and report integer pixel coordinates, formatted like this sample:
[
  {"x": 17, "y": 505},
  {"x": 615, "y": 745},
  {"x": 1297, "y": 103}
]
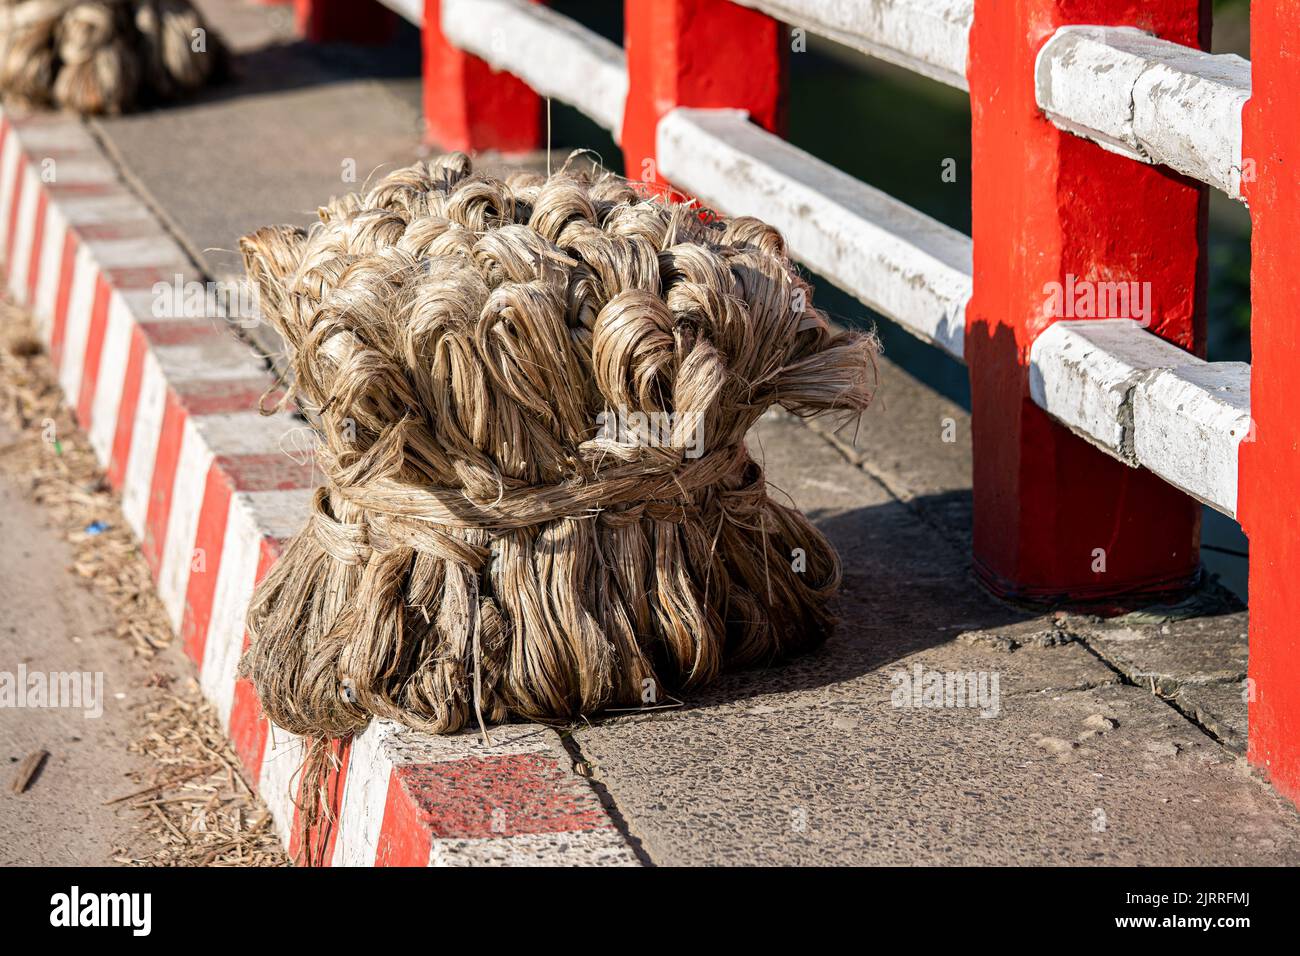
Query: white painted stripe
[
  {"x": 155, "y": 251},
  {"x": 59, "y": 137},
  {"x": 138, "y": 480},
  {"x": 553, "y": 54},
  {"x": 212, "y": 359},
  {"x": 248, "y": 433},
  {"x": 1146, "y": 402},
  {"x": 112, "y": 377},
  {"x": 930, "y": 37},
  {"x": 365, "y": 793},
  {"x": 281, "y": 761},
  {"x": 47, "y": 286},
  {"x": 97, "y": 210},
  {"x": 406, "y": 746},
  {"x": 240, "y": 551},
  {"x": 1148, "y": 99},
  {"x": 279, "y": 514},
  {"x": 894, "y": 259},
  {"x": 8, "y": 163},
  {"x": 20, "y": 257},
  {"x": 183, "y": 521},
  {"x": 1188, "y": 425},
  {"x": 76, "y": 329},
  {"x": 84, "y": 171}
]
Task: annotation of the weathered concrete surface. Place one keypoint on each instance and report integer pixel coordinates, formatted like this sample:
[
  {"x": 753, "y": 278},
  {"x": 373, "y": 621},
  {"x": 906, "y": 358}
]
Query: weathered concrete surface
[
  {"x": 50, "y": 622},
  {"x": 812, "y": 763}
]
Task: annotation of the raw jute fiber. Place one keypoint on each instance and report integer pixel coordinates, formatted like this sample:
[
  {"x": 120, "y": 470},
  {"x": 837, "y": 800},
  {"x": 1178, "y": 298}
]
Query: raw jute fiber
[
  {"x": 483, "y": 546},
  {"x": 104, "y": 56}
]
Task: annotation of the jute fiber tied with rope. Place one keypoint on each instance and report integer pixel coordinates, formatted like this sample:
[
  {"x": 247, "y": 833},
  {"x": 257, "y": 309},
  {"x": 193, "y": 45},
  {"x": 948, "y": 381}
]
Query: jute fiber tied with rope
[
  {"x": 487, "y": 544},
  {"x": 104, "y": 56}
]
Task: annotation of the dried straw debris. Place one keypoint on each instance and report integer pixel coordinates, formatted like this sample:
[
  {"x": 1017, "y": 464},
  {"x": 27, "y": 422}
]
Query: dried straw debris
[{"x": 192, "y": 807}]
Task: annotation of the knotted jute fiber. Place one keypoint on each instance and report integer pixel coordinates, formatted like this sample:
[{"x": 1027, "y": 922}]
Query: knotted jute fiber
[
  {"x": 104, "y": 56},
  {"x": 483, "y": 546}
]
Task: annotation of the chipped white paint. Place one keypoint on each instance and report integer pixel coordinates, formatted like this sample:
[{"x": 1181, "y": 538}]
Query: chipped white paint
[
  {"x": 1148, "y": 99},
  {"x": 137, "y": 485},
  {"x": 554, "y": 55},
  {"x": 21, "y": 257},
  {"x": 365, "y": 793},
  {"x": 930, "y": 37},
  {"x": 1187, "y": 425},
  {"x": 81, "y": 304},
  {"x": 53, "y": 239},
  {"x": 281, "y": 760},
  {"x": 1146, "y": 402},
  {"x": 894, "y": 259}
]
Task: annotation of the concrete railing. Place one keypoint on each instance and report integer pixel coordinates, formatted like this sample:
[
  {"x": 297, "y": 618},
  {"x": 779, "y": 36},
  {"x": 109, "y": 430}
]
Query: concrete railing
[{"x": 696, "y": 100}]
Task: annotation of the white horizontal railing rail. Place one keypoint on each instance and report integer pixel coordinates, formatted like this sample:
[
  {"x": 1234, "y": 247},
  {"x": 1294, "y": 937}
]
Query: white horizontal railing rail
[
  {"x": 898, "y": 261},
  {"x": 930, "y": 37},
  {"x": 553, "y": 54},
  {"x": 1130, "y": 393},
  {"x": 412, "y": 10},
  {"x": 1147, "y": 402},
  {"x": 1148, "y": 99}
]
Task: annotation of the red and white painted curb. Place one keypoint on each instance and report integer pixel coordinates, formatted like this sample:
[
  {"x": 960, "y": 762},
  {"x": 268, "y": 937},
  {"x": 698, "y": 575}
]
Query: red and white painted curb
[{"x": 170, "y": 405}]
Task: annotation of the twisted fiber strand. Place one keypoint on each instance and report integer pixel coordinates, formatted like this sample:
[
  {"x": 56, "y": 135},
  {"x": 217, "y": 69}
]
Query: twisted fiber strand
[
  {"x": 453, "y": 339},
  {"x": 102, "y": 56}
]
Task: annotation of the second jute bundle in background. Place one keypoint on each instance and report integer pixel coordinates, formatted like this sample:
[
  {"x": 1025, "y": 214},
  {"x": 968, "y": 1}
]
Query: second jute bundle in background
[
  {"x": 104, "y": 56},
  {"x": 531, "y": 399}
]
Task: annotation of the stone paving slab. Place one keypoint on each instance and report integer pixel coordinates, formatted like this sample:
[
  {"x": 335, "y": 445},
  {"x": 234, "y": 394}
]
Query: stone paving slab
[{"x": 813, "y": 762}]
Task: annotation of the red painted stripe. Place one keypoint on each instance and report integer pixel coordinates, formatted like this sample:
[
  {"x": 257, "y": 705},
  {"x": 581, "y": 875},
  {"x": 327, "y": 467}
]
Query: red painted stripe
[
  {"x": 141, "y": 277},
  {"x": 38, "y": 242},
  {"x": 16, "y": 194},
  {"x": 248, "y": 729},
  {"x": 205, "y": 563},
  {"x": 126, "y": 408},
  {"x": 94, "y": 352},
  {"x": 130, "y": 229},
  {"x": 67, "y": 269},
  {"x": 85, "y": 190},
  {"x": 403, "y": 840},
  {"x": 272, "y": 471},
  {"x": 499, "y": 796},
  {"x": 164, "y": 478},
  {"x": 220, "y": 397},
  {"x": 325, "y": 834},
  {"x": 166, "y": 332}
]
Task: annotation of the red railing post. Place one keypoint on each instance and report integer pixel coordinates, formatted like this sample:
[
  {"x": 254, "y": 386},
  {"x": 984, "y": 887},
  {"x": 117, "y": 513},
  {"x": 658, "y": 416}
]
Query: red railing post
[
  {"x": 1269, "y": 505},
  {"x": 1056, "y": 519},
  {"x": 468, "y": 105},
  {"x": 702, "y": 53},
  {"x": 365, "y": 22}
]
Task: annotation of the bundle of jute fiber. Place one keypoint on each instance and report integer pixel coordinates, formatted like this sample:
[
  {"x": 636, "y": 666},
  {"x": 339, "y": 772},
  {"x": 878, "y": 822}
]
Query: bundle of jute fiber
[
  {"x": 530, "y": 399},
  {"x": 104, "y": 56}
]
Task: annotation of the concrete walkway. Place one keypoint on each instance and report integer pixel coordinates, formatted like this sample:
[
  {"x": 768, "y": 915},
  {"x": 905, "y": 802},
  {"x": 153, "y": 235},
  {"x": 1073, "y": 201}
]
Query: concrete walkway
[{"x": 1105, "y": 742}]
